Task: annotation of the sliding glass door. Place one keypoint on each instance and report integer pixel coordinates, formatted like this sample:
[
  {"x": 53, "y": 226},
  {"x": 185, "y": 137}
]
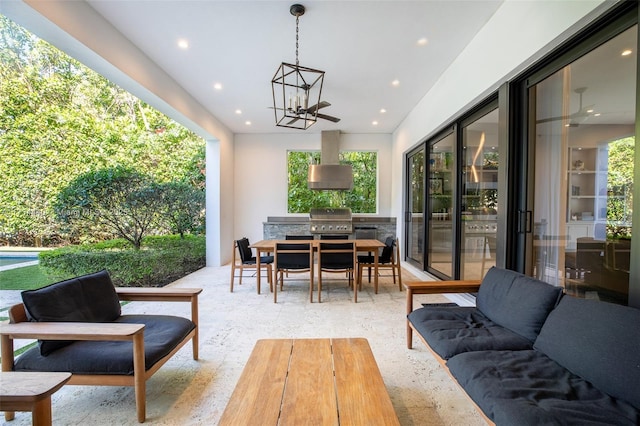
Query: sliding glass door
[
  {"x": 582, "y": 157},
  {"x": 414, "y": 216},
  {"x": 440, "y": 214},
  {"x": 479, "y": 210}
]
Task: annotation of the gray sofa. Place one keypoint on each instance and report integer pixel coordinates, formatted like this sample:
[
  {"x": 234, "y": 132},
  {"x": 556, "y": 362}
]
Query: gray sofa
[
  {"x": 529, "y": 355},
  {"x": 80, "y": 329}
]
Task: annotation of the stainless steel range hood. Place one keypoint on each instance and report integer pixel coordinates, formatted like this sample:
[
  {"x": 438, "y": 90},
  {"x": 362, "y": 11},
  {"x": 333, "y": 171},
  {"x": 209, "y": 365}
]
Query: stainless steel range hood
[{"x": 330, "y": 174}]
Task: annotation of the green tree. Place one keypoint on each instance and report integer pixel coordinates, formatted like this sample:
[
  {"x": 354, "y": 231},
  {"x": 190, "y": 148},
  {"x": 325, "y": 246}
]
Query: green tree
[
  {"x": 119, "y": 199},
  {"x": 620, "y": 180},
  {"x": 182, "y": 207},
  {"x": 59, "y": 119}
]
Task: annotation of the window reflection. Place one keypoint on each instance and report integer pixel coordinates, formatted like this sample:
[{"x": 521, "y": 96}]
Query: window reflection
[
  {"x": 584, "y": 158},
  {"x": 479, "y": 223}
]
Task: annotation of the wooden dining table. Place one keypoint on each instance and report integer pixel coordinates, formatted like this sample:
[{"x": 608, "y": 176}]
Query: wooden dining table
[{"x": 264, "y": 247}]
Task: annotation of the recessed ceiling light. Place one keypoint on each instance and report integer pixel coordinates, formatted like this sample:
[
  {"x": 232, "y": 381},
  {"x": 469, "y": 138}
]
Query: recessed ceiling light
[
  {"x": 395, "y": 83},
  {"x": 217, "y": 86},
  {"x": 597, "y": 114},
  {"x": 626, "y": 52},
  {"x": 590, "y": 111},
  {"x": 422, "y": 41},
  {"x": 238, "y": 111},
  {"x": 183, "y": 43},
  {"x": 382, "y": 110},
  {"x": 248, "y": 123}
]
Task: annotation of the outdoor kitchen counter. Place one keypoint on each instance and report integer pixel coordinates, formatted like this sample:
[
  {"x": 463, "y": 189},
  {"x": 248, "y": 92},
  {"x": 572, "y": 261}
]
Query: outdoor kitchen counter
[{"x": 277, "y": 227}]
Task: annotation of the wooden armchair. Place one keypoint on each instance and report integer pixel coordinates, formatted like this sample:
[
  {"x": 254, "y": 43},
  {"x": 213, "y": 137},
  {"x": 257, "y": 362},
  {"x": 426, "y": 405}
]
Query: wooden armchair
[{"x": 84, "y": 342}]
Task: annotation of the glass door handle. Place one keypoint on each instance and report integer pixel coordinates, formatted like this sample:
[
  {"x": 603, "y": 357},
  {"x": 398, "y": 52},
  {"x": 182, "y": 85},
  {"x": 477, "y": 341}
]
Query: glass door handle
[{"x": 524, "y": 221}]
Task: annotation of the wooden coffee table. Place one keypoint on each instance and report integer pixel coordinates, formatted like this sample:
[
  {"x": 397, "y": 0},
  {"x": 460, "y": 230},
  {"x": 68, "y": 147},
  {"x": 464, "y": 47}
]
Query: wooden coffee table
[{"x": 310, "y": 381}]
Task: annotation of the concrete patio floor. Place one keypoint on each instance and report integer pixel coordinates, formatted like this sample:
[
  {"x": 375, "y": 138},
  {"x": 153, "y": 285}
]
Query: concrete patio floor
[{"x": 188, "y": 392}]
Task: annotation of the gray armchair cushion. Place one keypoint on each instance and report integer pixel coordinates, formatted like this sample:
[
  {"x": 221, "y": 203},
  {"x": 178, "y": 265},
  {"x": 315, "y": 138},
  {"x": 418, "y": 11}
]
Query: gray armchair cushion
[
  {"x": 88, "y": 298},
  {"x": 161, "y": 334},
  {"x": 597, "y": 341},
  {"x": 517, "y": 302},
  {"x": 453, "y": 330}
]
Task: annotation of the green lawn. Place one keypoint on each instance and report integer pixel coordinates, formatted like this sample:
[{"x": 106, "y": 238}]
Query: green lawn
[{"x": 27, "y": 278}]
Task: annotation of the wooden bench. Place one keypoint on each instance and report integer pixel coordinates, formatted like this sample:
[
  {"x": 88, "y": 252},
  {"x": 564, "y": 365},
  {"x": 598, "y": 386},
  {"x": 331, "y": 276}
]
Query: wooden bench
[{"x": 310, "y": 381}]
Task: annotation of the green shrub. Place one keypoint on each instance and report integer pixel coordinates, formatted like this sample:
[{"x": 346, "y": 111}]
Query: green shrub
[{"x": 162, "y": 259}]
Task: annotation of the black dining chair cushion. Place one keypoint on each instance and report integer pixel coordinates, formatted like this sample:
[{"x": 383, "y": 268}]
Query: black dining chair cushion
[
  {"x": 336, "y": 260},
  {"x": 293, "y": 260},
  {"x": 266, "y": 259},
  {"x": 246, "y": 256},
  {"x": 298, "y": 237}
]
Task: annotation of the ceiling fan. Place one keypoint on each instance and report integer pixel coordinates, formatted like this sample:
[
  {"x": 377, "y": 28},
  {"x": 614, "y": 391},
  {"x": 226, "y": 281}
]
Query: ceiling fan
[
  {"x": 577, "y": 117},
  {"x": 301, "y": 112}
]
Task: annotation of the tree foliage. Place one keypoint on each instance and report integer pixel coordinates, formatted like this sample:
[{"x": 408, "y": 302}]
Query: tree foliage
[
  {"x": 181, "y": 208},
  {"x": 119, "y": 199},
  {"x": 59, "y": 120},
  {"x": 620, "y": 180},
  {"x": 361, "y": 199}
]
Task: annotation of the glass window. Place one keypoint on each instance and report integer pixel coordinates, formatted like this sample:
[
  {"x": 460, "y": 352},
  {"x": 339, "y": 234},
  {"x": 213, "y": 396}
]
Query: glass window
[{"x": 363, "y": 198}]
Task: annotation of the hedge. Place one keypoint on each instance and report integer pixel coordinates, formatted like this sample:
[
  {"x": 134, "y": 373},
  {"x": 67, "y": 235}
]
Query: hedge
[{"x": 161, "y": 260}]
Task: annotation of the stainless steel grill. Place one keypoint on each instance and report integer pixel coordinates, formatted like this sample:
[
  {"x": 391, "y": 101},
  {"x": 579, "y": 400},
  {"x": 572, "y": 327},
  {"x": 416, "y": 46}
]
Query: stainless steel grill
[{"x": 330, "y": 221}]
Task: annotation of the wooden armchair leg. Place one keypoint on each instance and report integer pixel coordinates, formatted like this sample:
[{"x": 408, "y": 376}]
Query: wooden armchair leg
[
  {"x": 194, "y": 318},
  {"x": 233, "y": 272},
  {"x": 139, "y": 376}
]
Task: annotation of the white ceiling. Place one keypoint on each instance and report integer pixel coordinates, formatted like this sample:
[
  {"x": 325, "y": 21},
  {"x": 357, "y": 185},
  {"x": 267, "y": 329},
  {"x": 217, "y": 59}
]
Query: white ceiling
[{"x": 361, "y": 45}]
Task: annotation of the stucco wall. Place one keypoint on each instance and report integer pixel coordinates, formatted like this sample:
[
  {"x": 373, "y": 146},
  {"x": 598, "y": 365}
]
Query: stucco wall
[{"x": 260, "y": 174}]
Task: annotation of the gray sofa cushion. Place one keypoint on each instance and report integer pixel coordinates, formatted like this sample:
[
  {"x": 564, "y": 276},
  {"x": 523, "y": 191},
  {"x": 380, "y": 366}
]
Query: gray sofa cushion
[
  {"x": 528, "y": 388},
  {"x": 515, "y": 301},
  {"x": 453, "y": 330},
  {"x": 88, "y": 298},
  {"x": 161, "y": 334},
  {"x": 597, "y": 341}
]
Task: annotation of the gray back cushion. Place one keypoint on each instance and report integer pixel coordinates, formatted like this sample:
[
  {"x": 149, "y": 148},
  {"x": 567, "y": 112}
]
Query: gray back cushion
[
  {"x": 88, "y": 298},
  {"x": 597, "y": 341},
  {"x": 517, "y": 302}
]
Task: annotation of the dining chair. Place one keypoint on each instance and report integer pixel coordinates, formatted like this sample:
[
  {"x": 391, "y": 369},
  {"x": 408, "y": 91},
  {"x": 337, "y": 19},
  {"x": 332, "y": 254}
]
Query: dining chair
[
  {"x": 334, "y": 237},
  {"x": 248, "y": 261},
  {"x": 292, "y": 258},
  {"x": 388, "y": 259},
  {"x": 337, "y": 257},
  {"x": 298, "y": 237}
]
